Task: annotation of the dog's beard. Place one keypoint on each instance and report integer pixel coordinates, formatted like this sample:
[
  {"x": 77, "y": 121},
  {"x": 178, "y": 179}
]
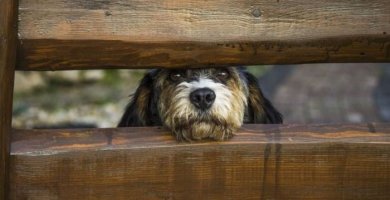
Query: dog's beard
[{"x": 190, "y": 123}]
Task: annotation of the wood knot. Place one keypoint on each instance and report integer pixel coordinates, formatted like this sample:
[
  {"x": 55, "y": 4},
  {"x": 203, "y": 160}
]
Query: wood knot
[
  {"x": 256, "y": 12},
  {"x": 108, "y": 13}
]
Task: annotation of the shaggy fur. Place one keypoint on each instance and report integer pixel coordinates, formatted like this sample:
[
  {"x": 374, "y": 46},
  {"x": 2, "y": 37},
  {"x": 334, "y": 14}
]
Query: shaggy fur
[{"x": 163, "y": 99}]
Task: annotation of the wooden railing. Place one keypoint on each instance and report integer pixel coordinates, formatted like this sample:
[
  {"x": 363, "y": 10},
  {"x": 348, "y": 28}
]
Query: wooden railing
[
  {"x": 81, "y": 34},
  {"x": 260, "y": 162}
]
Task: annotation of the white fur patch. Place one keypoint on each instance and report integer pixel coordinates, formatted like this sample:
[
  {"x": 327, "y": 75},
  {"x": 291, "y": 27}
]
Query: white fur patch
[{"x": 222, "y": 104}]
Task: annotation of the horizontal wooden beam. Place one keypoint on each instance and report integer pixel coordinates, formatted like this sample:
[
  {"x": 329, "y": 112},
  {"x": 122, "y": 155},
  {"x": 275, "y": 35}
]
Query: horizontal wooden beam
[
  {"x": 260, "y": 162},
  {"x": 58, "y": 35}
]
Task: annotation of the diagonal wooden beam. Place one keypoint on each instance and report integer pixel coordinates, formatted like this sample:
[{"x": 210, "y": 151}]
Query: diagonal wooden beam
[{"x": 8, "y": 31}]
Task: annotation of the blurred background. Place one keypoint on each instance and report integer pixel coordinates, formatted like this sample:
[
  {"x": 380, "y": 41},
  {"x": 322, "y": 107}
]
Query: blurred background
[{"x": 310, "y": 93}]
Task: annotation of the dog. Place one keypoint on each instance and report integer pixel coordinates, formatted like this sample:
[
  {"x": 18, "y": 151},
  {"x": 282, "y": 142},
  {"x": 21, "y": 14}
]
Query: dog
[{"x": 198, "y": 104}]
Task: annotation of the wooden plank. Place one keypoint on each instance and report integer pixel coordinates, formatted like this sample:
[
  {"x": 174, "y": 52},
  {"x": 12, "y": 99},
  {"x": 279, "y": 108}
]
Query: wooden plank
[
  {"x": 8, "y": 41},
  {"x": 260, "y": 162},
  {"x": 79, "y": 34}
]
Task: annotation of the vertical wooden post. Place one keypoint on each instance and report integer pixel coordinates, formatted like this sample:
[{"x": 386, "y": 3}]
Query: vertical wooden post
[{"x": 8, "y": 33}]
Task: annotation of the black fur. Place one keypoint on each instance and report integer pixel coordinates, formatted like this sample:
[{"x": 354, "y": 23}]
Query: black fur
[
  {"x": 270, "y": 115},
  {"x": 131, "y": 116}
]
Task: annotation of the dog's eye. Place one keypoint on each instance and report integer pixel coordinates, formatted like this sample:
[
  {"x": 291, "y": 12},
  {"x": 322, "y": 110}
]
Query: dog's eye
[
  {"x": 176, "y": 76},
  {"x": 223, "y": 74}
]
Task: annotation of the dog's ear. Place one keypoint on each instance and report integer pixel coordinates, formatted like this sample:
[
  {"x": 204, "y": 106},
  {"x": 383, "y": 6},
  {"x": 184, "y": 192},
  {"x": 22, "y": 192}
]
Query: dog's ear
[
  {"x": 260, "y": 109},
  {"x": 142, "y": 110}
]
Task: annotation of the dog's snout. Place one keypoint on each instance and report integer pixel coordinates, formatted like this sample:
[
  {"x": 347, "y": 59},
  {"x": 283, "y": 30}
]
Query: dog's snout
[{"x": 202, "y": 98}]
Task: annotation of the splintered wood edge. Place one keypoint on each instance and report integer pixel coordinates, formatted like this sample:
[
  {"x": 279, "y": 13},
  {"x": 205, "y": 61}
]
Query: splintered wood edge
[{"x": 48, "y": 142}]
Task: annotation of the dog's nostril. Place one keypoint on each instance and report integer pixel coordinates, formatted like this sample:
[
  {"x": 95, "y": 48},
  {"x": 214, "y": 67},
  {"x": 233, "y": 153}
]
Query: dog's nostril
[
  {"x": 210, "y": 96},
  {"x": 197, "y": 98},
  {"x": 202, "y": 98}
]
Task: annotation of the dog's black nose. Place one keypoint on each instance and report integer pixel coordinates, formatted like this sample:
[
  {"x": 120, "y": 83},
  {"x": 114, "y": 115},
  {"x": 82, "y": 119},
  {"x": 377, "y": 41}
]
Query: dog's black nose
[{"x": 202, "y": 98}]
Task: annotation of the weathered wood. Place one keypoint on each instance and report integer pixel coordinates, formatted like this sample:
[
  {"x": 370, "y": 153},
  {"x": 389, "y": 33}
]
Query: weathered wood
[
  {"x": 8, "y": 41},
  {"x": 260, "y": 162},
  {"x": 83, "y": 34}
]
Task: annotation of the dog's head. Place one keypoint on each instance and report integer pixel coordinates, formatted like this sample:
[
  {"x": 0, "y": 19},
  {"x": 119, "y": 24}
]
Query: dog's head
[{"x": 199, "y": 103}]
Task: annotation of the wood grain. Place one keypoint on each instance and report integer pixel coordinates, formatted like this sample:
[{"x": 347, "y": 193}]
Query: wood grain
[
  {"x": 8, "y": 17},
  {"x": 260, "y": 162},
  {"x": 79, "y": 34}
]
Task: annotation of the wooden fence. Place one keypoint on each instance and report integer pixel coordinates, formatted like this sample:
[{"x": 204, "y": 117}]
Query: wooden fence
[{"x": 261, "y": 162}]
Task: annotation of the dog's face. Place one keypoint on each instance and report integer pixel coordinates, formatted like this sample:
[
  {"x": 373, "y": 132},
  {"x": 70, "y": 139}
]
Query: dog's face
[
  {"x": 198, "y": 103},
  {"x": 202, "y": 103}
]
